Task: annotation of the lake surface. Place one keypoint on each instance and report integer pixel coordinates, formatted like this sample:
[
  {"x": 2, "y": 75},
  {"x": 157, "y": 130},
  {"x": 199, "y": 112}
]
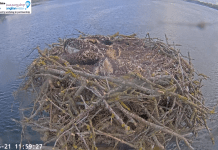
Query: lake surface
[{"x": 55, "y": 19}]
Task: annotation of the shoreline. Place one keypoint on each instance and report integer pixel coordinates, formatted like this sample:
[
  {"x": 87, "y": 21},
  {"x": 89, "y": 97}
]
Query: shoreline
[{"x": 210, "y": 5}]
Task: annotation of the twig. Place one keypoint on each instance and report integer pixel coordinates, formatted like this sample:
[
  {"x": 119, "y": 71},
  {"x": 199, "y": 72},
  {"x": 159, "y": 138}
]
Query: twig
[
  {"x": 86, "y": 106},
  {"x": 120, "y": 140},
  {"x": 115, "y": 114},
  {"x": 157, "y": 142},
  {"x": 84, "y": 141},
  {"x": 157, "y": 127}
]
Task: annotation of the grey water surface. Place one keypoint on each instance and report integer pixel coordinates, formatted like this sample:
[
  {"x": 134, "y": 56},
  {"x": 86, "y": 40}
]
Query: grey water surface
[{"x": 55, "y": 19}]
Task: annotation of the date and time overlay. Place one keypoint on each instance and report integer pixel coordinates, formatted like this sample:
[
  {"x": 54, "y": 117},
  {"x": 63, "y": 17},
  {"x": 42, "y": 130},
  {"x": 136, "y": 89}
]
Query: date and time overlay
[{"x": 19, "y": 146}]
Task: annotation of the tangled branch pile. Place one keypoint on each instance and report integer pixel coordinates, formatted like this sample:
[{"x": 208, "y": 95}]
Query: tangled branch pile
[{"x": 114, "y": 89}]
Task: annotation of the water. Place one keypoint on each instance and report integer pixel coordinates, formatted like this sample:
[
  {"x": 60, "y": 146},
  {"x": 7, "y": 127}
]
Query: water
[{"x": 178, "y": 19}]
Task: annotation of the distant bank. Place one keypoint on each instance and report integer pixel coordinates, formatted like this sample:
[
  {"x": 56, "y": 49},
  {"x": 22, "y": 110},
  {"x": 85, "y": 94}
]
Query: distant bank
[{"x": 211, "y": 5}]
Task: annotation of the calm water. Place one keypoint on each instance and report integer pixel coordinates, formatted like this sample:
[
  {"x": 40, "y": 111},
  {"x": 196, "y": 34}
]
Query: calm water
[{"x": 19, "y": 34}]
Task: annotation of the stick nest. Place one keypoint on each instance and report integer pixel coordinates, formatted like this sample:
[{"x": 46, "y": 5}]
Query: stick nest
[{"x": 114, "y": 89}]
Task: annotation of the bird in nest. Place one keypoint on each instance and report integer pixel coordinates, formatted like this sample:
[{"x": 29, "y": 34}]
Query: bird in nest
[{"x": 104, "y": 67}]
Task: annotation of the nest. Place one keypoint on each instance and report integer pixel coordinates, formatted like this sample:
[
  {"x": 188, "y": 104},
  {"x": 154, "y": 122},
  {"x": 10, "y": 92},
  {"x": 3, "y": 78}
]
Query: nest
[{"x": 95, "y": 90}]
